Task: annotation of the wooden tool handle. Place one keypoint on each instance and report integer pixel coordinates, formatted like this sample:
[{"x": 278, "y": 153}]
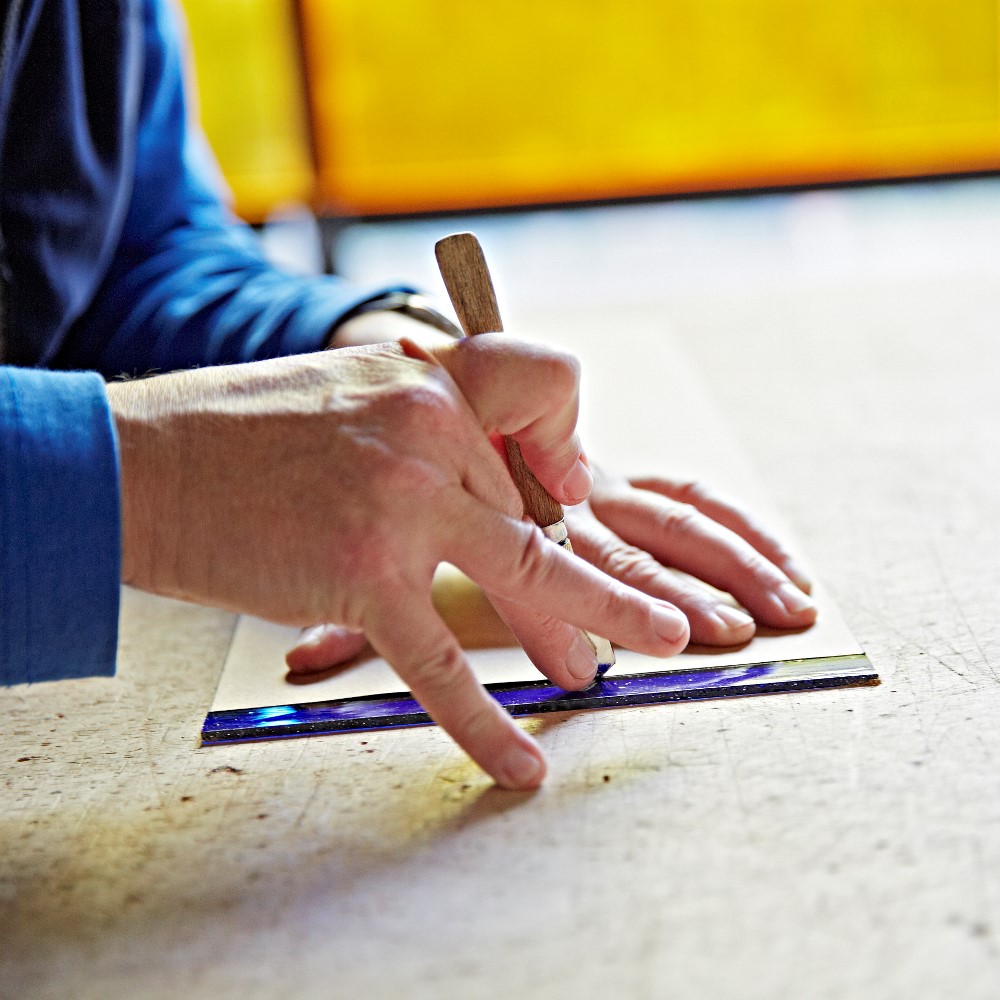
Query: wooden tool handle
[{"x": 467, "y": 278}]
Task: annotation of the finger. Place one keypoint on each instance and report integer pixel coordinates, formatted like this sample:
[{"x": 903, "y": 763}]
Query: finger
[
  {"x": 414, "y": 639},
  {"x": 516, "y": 562},
  {"x": 562, "y": 652},
  {"x": 712, "y": 622},
  {"x": 737, "y": 520},
  {"x": 530, "y": 393},
  {"x": 678, "y": 535},
  {"x": 324, "y": 646},
  {"x": 451, "y": 425}
]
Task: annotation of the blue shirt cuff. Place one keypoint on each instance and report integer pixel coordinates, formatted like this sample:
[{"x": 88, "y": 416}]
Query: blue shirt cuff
[{"x": 60, "y": 527}]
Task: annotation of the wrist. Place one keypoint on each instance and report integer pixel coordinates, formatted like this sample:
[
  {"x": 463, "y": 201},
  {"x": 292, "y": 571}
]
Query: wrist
[
  {"x": 148, "y": 490},
  {"x": 379, "y": 319}
]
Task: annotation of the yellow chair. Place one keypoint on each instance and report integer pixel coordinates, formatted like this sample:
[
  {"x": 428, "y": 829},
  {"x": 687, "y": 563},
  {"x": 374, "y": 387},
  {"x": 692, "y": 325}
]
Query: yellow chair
[
  {"x": 437, "y": 104},
  {"x": 252, "y": 100}
]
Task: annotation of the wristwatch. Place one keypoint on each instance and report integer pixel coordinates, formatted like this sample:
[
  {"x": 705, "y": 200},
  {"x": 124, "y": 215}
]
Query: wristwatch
[{"x": 412, "y": 304}]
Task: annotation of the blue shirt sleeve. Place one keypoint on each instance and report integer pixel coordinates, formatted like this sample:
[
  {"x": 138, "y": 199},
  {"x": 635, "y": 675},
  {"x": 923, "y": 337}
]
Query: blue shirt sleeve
[
  {"x": 60, "y": 561},
  {"x": 188, "y": 284}
]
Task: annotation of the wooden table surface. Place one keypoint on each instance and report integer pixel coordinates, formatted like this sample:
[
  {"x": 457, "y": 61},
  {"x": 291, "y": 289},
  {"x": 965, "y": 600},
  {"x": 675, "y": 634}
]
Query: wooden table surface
[{"x": 836, "y": 844}]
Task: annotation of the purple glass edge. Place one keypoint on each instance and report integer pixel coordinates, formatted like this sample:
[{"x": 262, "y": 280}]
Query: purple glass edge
[{"x": 398, "y": 710}]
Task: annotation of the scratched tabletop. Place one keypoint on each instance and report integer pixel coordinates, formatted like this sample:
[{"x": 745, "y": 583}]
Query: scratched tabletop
[{"x": 821, "y": 845}]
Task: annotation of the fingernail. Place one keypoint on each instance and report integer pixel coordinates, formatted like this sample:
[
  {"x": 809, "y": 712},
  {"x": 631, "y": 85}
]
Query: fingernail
[
  {"x": 793, "y": 599},
  {"x": 312, "y": 636},
  {"x": 670, "y": 624},
  {"x": 521, "y": 768},
  {"x": 733, "y": 617},
  {"x": 578, "y": 484},
  {"x": 581, "y": 659}
]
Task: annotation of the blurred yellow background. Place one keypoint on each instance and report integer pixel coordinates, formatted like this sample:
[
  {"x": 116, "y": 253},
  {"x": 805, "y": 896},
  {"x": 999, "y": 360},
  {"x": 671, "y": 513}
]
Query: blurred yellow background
[
  {"x": 251, "y": 96},
  {"x": 439, "y": 104}
]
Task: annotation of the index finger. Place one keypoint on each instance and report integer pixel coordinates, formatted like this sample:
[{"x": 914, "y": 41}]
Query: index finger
[
  {"x": 418, "y": 645},
  {"x": 515, "y": 561}
]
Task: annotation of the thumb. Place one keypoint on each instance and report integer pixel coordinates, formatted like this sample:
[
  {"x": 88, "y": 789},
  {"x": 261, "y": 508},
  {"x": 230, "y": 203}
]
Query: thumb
[{"x": 525, "y": 391}]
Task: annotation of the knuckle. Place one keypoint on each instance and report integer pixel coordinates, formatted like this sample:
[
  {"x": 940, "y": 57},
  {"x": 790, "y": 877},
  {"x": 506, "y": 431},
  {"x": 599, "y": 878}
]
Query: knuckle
[
  {"x": 749, "y": 563},
  {"x": 387, "y": 470},
  {"x": 533, "y": 560},
  {"x": 413, "y": 478},
  {"x": 547, "y": 636},
  {"x": 743, "y": 563},
  {"x": 477, "y": 723},
  {"x": 568, "y": 364},
  {"x": 437, "y": 669},
  {"x": 368, "y": 557},
  {"x": 773, "y": 548},
  {"x": 632, "y": 565},
  {"x": 678, "y": 518},
  {"x": 554, "y": 631},
  {"x": 427, "y": 408},
  {"x": 691, "y": 491},
  {"x": 622, "y": 605},
  {"x": 431, "y": 407},
  {"x": 561, "y": 370}
]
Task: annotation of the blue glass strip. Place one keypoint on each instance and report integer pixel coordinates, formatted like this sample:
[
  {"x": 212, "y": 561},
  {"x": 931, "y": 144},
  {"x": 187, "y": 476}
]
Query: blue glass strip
[{"x": 536, "y": 697}]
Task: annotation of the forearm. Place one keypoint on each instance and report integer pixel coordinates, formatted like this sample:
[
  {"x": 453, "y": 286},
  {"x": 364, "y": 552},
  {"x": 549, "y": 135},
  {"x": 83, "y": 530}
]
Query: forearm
[
  {"x": 188, "y": 284},
  {"x": 204, "y": 295}
]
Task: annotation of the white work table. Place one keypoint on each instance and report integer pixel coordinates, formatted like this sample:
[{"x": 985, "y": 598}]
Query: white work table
[{"x": 820, "y": 845}]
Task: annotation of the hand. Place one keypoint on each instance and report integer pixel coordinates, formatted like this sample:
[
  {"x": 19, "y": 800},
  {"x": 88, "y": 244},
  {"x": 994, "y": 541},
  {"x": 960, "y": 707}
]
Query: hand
[
  {"x": 639, "y": 531},
  {"x": 636, "y": 532},
  {"x": 329, "y": 487}
]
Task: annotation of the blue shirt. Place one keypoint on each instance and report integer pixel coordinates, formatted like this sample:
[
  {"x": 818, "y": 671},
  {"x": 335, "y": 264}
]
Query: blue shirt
[
  {"x": 120, "y": 257},
  {"x": 59, "y": 526}
]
